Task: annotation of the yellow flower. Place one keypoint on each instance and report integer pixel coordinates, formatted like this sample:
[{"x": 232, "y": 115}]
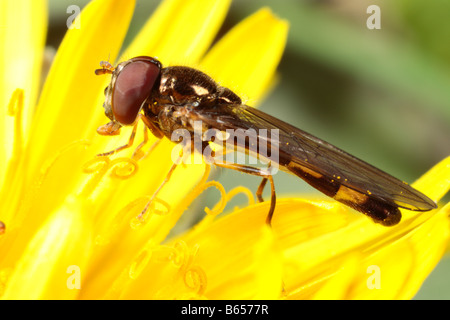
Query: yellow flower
[
  {"x": 316, "y": 250},
  {"x": 70, "y": 217}
]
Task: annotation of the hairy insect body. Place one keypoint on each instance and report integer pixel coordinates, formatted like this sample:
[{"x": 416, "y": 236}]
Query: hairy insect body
[
  {"x": 179, "y": 98},
  {"x": 181, "y": 90}
]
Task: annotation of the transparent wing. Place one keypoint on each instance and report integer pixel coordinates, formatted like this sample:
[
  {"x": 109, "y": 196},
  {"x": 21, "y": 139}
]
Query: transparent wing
[{"x": 302, "y": 150}]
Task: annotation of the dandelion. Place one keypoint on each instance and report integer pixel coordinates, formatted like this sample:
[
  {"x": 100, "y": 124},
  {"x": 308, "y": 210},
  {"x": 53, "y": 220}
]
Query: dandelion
[
  {"x": 69, "y": 218},
  {"x": 61, "y": 205}
]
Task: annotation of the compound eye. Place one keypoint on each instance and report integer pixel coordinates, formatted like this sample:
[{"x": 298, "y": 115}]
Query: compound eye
[{"x": 133, "y": 85}]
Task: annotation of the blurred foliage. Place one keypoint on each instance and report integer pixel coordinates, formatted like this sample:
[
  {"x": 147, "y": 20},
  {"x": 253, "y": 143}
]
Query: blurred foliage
[
  {"x": 383, "y": 87},
  {"x": 382, "y": 95},
  {"x": 428, "y": 25}
]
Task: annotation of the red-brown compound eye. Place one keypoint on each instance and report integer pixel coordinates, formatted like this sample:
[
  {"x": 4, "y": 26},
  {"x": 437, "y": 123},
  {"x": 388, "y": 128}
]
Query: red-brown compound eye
[{"x": 133, "y": 85}]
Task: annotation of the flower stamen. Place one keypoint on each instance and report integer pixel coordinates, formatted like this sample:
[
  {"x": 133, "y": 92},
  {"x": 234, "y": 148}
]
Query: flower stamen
[
  {"x": 195, "y": 279},
  {"x": 16, "y": 168},
  {"x": 4, "y": 277},
  {"x": 97, "y": 167},
  {"x": 15, "y": 108},
  {"x": 139, "y": 264},
  {"x": 122, "y": 168},
  {"x": 181, "y": 255},
  {"x": 241, "y": 189},
  {"x": 139, "y": 219},
  {"x": 158, "y": 211},
  {"x": 30, "y": 196},
  {"x": 218, "y": 208},
  {"x": 225, "y": 198}
]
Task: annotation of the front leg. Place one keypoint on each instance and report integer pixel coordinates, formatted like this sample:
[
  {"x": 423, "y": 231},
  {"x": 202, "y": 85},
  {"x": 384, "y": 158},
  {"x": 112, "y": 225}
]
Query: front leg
[
  {"x": 126, "y": 146},
  {"x": 113, "y": 128}
]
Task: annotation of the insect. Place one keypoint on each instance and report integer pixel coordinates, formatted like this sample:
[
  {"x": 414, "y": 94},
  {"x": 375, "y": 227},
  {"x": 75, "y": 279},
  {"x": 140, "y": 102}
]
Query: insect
[{"x": 170, "y": 98}]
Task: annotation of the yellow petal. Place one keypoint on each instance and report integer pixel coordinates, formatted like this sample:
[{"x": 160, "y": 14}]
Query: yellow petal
[
  {"x": 43, "y": 270},
  {"x": 66, "y": 106},
  {"x": 246, "y": 58},
  {"x": 436, "y": 182},
  {"x": 392, "y": 262},
  {"x": 330, "y": 252},
  {"x": 249, "y": 268},
  {"x": 179, "y": 31},
  {"x": 250, "y": 261},
  {"x": 112, "y": 194},
  {"x": 183, "y": 179},
  {"x": 23, "y": 26},
  {"x": 338, "y": 284}
]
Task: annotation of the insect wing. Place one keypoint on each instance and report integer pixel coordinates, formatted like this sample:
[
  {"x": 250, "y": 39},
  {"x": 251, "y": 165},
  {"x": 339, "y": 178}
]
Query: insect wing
[{"x": 299, "y": 149}]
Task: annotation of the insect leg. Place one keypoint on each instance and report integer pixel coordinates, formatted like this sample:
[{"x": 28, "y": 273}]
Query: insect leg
[
  {"x": 129, "y": 144},
  {"x": 155, "y": 131},
  {"x": 261, "y": 189},
  {"x": 261, "y": 173},
  {"x": 166, "y": 179},
  {"x": 154, "y": 145},
  {"x": 139, "y": 147}
]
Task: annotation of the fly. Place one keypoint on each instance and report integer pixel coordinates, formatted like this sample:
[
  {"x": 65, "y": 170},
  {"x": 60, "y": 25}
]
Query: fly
[{"x": 172, "y": 98}]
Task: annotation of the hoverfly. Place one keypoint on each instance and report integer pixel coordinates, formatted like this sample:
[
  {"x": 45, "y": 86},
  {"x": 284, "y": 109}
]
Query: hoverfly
[{"x": 169, "y": 98}]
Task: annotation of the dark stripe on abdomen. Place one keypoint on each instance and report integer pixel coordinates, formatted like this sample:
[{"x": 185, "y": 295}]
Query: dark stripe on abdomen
[{"x": 380, "y": 211}]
